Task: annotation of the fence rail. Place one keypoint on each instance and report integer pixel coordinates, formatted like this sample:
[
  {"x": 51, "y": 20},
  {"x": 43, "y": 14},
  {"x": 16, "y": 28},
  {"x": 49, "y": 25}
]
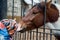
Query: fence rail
[{"x": 34, "y": 35}]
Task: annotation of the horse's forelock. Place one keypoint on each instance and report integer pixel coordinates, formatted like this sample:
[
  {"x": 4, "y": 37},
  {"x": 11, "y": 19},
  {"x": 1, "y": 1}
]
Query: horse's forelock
[{"x": 54, "y": 6}]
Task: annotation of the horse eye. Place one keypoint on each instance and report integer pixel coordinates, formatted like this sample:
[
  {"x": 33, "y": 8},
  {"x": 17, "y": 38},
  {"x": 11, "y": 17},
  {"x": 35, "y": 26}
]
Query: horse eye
[{"x": 34, "y": 13}]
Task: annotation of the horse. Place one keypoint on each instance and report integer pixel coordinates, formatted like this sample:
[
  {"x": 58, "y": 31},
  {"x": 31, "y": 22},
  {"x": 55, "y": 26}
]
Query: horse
[
  {"x": 7, "y": 28},
  {"x": 35, "y": 18}
]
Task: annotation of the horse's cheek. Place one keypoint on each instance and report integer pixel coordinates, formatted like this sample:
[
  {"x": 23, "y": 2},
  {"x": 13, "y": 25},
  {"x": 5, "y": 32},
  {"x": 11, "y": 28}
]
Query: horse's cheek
[
  {"x": 38, "y": 20},
  {"x": 30, "y": 27}
]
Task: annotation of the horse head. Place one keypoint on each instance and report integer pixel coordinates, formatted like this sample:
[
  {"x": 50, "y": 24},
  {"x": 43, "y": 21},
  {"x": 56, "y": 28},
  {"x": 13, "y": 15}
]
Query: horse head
[{"x": 35, "y": 16}]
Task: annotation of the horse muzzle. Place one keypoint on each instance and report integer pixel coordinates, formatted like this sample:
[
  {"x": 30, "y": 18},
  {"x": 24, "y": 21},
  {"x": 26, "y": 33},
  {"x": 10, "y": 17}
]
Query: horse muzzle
[{"x": 21, "y": 30}]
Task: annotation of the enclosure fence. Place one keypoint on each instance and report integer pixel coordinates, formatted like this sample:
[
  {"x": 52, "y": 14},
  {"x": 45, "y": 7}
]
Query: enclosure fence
[{"x": 34, "y": 35}]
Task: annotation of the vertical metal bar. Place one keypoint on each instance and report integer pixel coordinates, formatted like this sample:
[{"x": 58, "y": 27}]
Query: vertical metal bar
[
  {"x": 25, "y": 36},
  {"x": 21, "y": 9},
  {"x": 33, "y": 35},
  {"x": 24, "y": 12},
  {"x": 50, "y": 34},
  {"x": 13, "y": 9},
  {"x": 44, "y": 21},
  {"x": 20, "y": 36},
  {"x": 30, "y": 34},
  {"x": 37, "y": 34},
  {"x": 16, "y": 36},
  {"x": 40, "y": 36},
  {"x": 32, "y": 3},
  {"x": 47, "y": 36}
]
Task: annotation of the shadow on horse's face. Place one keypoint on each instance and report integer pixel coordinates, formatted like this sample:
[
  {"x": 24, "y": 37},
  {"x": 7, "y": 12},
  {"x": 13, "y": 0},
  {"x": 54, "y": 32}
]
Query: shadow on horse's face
[{"x": 35, "y": 17}]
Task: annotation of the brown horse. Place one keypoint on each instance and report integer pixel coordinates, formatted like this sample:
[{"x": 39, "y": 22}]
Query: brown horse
[{"x": 35, "y": 18}]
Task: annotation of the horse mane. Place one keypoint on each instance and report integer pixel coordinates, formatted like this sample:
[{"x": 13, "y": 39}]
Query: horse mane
[
  {"x": 53, "y": 6},
  {"x": 39, "y": 6},
  {"x": 42, "y": 6}
]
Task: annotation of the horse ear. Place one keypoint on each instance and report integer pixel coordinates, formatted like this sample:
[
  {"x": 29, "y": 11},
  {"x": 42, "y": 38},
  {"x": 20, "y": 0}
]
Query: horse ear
[{"x": 49, "y": 3}]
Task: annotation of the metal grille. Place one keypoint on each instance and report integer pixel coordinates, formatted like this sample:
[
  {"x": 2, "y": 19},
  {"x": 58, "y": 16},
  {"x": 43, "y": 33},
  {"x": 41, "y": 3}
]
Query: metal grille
[{"x": 36, "y": 34}]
